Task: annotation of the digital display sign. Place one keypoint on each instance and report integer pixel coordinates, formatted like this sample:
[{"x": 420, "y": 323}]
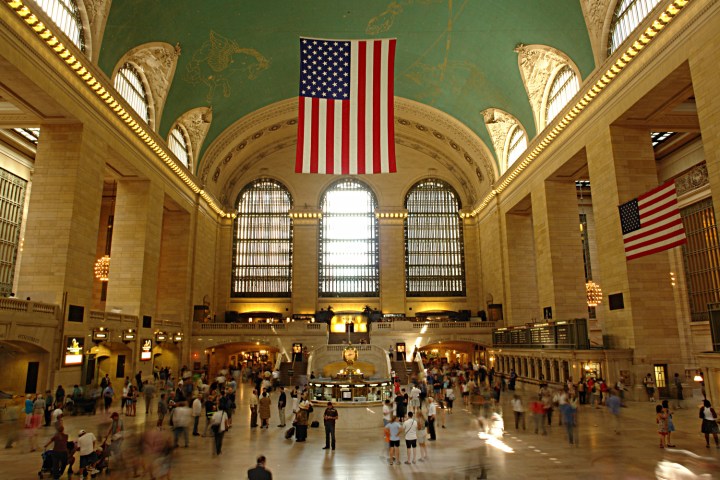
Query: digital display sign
[
  {"x": 73, "y": 351},
  {"x": 146, "y": 350}
]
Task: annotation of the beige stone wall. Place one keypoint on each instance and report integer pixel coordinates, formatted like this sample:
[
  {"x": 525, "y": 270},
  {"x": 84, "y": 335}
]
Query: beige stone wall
[
  {"x": 522, "y": 289},
  {"x": 305, "y": 266},
  {"x": 492, "y": 272},
  {"x": 392, "y": 265},
  {"x": 210, "y": 257},
  {"x": 174, "y": 274},
  {"x": 15, "y": 368}
]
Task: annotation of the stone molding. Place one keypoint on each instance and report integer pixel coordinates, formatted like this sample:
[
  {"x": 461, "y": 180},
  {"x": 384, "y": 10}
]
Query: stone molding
[
  {"x": 499, "y": 123},
  {"x": 196, "y": 123},
  {"x": 96, "y": 13},
  {"x": 157, "y": 61},
  {"x": 538, "y": 64},
  {"x": 598, "y": 14},
  {"x": 695, "y": 178}
]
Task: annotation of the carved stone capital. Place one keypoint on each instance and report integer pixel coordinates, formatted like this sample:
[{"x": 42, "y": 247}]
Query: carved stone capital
[{"x": 598, "y": 14}]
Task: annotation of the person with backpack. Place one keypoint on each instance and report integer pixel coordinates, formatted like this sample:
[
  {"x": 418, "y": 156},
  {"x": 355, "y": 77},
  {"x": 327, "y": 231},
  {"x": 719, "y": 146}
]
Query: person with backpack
[{"x": 219, "y": 425}]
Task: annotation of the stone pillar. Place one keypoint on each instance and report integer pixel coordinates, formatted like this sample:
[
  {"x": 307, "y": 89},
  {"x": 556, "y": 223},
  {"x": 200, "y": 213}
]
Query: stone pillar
[
  {"x": 622, "y": 160},
  {"x": 472, "y": 264},
  {"x": 135, "y": 253},
  {"x": 705, "y": 70},
  {"x": 391, "y": 226},
  {"x": 305, "y": 261},
  {"x": 558, "y": 250},
  {"x": 63, "y": 216},
  {"x": 522, "y": 294}
]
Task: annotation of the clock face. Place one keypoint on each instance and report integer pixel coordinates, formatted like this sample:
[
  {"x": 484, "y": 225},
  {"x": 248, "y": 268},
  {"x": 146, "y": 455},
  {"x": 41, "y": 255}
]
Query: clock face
[{"x": 350, "y": 355}]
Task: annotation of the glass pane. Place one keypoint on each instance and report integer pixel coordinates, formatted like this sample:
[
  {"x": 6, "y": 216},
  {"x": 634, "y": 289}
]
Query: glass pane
[{"x": 66, "y": 16}]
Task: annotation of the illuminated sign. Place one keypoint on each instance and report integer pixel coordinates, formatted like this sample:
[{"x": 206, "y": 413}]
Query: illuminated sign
[
  {"x": 100, "y": 334},
  {"x": 73, "y": 350},
  {"x": 146, "y": 350}
]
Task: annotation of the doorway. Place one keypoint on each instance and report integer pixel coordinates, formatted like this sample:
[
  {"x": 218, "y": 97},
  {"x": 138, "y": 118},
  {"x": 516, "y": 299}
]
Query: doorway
[{"x": 32, "y": 377}]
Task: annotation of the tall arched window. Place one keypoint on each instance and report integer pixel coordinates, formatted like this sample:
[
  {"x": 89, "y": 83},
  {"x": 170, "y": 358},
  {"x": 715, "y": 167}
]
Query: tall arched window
[
  {"x": 564, "y": 87},
  {"x": 349, "y": 262},
  {"x": 628, "y": 15},
  {"x": 66, "y": 16},
  {"x": 434, "y": 253},
  {"x": 262, "y": 242},
  {"x": 517, "y": 144},
  {"x": 180, "y": 145},
  {"x": 129, "y": 84}
]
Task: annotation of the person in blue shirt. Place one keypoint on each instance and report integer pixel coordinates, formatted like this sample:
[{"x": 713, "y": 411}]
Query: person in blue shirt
[{"x": 394, "y": 428}]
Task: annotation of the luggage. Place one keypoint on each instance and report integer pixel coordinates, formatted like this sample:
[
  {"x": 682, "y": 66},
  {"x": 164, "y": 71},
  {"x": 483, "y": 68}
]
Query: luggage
[
  {"x": 290, "y": 432},
  {"x": 315, "y": 424}
]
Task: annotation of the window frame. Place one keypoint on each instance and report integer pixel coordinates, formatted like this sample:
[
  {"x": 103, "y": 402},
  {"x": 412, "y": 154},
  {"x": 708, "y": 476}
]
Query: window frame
[
  {"x": 140, "y": 98},
  {"x": 372, "y": 267},
  {"x": 187, "y": 147},
  {"x": 264, "y": 238},
  {"x": 556, "y": 92},
  {"x": 61, "y": 12},
  {"x": 620, "y": 20},
  {"x": 433, "y": 240}
]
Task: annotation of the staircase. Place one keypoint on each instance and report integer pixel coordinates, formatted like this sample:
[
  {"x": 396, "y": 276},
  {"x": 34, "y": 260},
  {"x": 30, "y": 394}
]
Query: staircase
[
  {"x": 299, "y": 369},
  {"x": 404, "y": 371}
]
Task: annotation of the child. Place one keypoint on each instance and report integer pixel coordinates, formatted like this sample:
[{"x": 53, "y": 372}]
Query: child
[{"x": 661, "y": 420}]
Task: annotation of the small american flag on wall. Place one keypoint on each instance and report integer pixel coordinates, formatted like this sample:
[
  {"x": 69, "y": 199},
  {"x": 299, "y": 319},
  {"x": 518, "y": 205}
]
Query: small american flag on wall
[
  {"x": 345, "y": 122},
  {"x": 652, "y": 223}
]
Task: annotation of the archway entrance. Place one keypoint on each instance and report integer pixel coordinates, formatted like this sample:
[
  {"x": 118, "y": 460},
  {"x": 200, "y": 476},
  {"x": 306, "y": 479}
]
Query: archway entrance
[
  {"x": 25, "y": 367},
  {"x": 241, "y": 357},
  {"x": 453, "y": 352}
]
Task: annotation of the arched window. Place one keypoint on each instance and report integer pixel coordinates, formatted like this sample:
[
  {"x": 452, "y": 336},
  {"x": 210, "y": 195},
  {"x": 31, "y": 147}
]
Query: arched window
[
  {"x": 628, "y": 15},
  {"x": 516, "y": 145},
  {"x": 564, "y": 87},
  {"x": 129, "y": 84},
  {"x": 66, "y": 16},
  {"x": 262, "y": 242},
  {"x": 348, "y": 242},
  {"x": 180, "y": 145},
  {"x": 434, "y": 253}
]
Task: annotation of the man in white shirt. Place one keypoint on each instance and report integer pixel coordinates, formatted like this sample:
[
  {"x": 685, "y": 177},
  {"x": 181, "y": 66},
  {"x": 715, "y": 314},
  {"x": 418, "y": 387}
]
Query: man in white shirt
[
  {"x": 196, "y": 413},
  {"x": 415, "y": 398},
  {"x": 181, "y": 417},
  {"x": 387, "y": 412},
  {"x": 86, "y": 448},
  {"x": 410, "y": 428},
  {"x": 432, "y": 411}
]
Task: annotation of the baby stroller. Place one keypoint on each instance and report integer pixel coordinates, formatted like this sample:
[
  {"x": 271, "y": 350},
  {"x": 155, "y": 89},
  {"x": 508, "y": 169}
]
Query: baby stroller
[
  {"x": 47, "y": 462},
  {"x": 102, "y": 462}
]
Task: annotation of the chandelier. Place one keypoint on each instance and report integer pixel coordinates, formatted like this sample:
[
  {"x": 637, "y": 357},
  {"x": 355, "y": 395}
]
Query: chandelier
[
  {"x": 594, "y": 293},
  {"x": 102, "y": 268}
]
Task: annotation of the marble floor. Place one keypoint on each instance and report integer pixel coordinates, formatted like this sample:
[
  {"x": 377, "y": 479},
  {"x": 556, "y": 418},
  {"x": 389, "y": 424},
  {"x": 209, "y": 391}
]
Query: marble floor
[{"x": 458, "y": 452}]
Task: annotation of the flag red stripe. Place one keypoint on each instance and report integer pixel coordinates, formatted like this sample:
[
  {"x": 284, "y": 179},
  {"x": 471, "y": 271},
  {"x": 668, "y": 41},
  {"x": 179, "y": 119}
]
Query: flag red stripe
[
  {"x": 361, "y": 94},
  {"x": 345, "y": 137},
  {"x": 675, "y": 232},
  {"x": 377, "y": 71},
  {"x": 646, "y": 204},
  {"x": 330, "y": 138},
  {"x": 655, "y": 190},
  {"x": 300, "y": 136},
  {"x": 658, "y": 249},
  {"x": 314, "y": 135},
  {"x": 649, "y": 223},
  {"x": 644, "y": 233},
  {"x": 391, "y": 106}
]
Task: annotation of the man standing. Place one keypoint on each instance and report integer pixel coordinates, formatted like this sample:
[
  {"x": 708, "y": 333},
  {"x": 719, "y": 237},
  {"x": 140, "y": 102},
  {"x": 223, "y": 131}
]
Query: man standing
[
  {"x": 254, "y": 400},
  {"x": 149, "y": 393},
  {"x": 330, "y": 417},
  {"x": 432, "y": 411},
  {"x": 679, "y": 389},
  {"x": 282, "y": 402},
  {"x": 260, "y": 472},
  {"x": 86, "y": 447},
  {"x": 410, "y": 428},
  {"x": 415, "y": 398},
  {"x": 394, "y": 429},
  {"x": 196, "y": 413}
]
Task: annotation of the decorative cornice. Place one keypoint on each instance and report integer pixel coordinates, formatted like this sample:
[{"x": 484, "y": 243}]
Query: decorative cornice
[
  {"x": 537, "y": 64},
  {"x": 622, "y": 59},
  {"x": 197, "y": 123},
  {"x": 74, "y": 61},
  {"x": 696, "y": 178},
  {"x": 158, "y": 62}
]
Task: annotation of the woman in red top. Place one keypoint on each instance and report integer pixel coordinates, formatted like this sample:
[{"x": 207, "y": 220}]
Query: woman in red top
[{"x": 59, "y": 452}]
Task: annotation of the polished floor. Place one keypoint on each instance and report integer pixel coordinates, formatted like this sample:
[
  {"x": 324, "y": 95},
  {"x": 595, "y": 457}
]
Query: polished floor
[{"x": 457, "y": 454}]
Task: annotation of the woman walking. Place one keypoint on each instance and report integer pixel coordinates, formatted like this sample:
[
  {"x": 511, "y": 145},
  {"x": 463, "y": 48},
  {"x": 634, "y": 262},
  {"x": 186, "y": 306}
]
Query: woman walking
[
  {"x": 709, "y": 423},
  {"x": 670, "y": 424}
]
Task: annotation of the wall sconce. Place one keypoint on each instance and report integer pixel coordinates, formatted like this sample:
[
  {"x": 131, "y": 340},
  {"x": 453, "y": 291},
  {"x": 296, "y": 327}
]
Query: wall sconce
[
  {"x": 129, "y": 335},
  {"x": 100, "y": 335},
  {"x": 160, "y": 337}
]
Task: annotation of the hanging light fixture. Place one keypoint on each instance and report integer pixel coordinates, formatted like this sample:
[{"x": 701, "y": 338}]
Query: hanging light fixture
[
  {"x": 592, "y": 289},
  {"x": 102, "y": 268},
  {"x": 102, "y": 265},
  {"x": 594, "y": 293}
]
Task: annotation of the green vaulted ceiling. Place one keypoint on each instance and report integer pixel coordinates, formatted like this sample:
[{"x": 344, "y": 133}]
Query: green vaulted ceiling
[{"x": 454, "y": 55}]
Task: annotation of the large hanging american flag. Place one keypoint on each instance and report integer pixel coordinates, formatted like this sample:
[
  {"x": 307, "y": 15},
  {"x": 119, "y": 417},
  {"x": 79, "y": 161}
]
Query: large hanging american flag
[
  {"x": 345, "y": 123},
  {"x": 652, "y": 223}
]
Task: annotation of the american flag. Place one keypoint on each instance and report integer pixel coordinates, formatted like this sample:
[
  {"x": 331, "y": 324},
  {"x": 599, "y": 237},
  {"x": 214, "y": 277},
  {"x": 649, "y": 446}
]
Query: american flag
[
  {"x": 346, "y": 115},
  {"x": 651, "y": 223}
]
